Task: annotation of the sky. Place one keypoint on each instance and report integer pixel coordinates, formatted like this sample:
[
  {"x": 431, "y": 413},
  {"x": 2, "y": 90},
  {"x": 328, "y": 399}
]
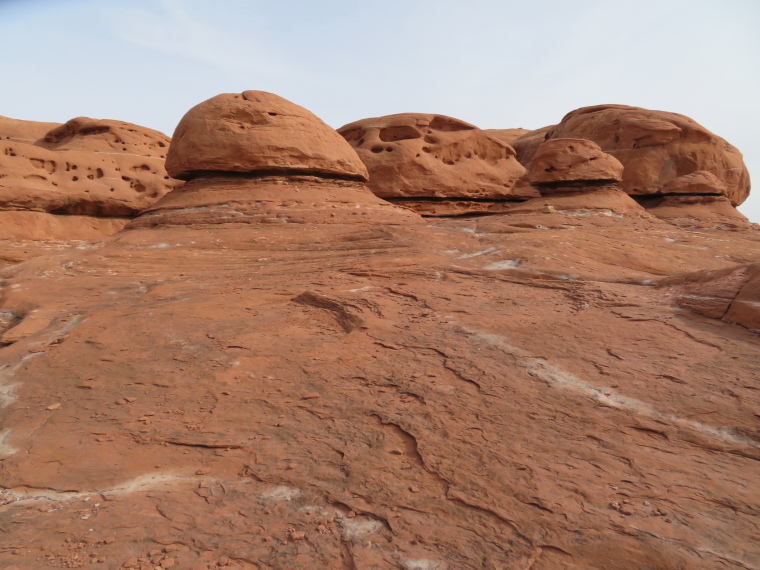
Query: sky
[{"x": 493, "y": 63}]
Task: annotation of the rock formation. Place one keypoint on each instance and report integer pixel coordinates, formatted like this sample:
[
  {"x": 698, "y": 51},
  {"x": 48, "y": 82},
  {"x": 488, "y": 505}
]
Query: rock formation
[
  {"x": 95, "y": 173},
  {"x": 507, "y": 135},
  {"x": 573, "y": 390},
  {"x": 255, "y": 157},
  {"x": 731, "y": 294},
  {"x": 437, "y": 165},
  {"x": 573, "y": 160},
  {"x": 657, "y": 148},
  {"x": 257, "y": 131},
  {"x": 526, "y": 144}
]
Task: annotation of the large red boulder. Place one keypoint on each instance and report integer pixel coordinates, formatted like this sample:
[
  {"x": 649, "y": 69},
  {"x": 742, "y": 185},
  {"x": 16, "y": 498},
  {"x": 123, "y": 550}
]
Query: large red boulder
[
  {"x": 573, "y": 160},
  {"x": 257, "y": 131},
  {"x": 257, "y": 158},
  {"x": 415, "y": 155},
  {"x": 85, "y": 166},
  {"x": 657, "y": 148}
]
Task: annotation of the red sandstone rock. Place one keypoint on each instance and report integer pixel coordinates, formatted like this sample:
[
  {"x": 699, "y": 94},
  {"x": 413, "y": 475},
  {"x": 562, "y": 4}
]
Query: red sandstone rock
[
  {"x": 573, "y": 160},
  {"x": 730, "y": 294},
  {"x": 412, "y": 156},
  {"x": 281, "y": 144},
  {"x": 253, "y": 383},
  {"x": 29, "y": 132},
  {"x": 699, "y": 182},
  {"x": 657, "y": 147},
  {"x": 694, "y": 208},
  {"x": 711, "y": 293},
  {"x": 525, "y": 145},
  {"x": 83, "y": 167},
  {"x": 389, "y": 394},
  {"x": 299, "y": 199},
  {"x": 745, "y": 308},
  {"x": 607, "y": 198},
  {"x": 257, "y": 131},
  {"x": 507, "y": 135}
]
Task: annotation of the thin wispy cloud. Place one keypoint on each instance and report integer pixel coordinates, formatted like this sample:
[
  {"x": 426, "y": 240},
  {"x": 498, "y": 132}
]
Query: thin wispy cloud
[{"x": 183, "y": 29}]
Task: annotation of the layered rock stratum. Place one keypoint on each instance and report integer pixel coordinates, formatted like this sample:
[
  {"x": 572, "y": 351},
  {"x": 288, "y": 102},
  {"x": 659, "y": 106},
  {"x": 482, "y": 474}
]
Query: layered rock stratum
[{"x": 241, "y": 379}]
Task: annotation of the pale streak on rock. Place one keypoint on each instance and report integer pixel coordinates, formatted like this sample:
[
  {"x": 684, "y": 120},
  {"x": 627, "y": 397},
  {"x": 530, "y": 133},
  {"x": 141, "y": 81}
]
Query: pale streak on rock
[{"x": 557, "y": 378}]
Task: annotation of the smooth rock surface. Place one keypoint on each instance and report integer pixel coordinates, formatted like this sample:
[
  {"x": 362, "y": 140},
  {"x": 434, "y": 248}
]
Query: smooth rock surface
[
  {"x": 255, "y": 131},
  {"x": 689, "y": 209},
  {"x": 507, "y": 135},
  {"x": 573, "y": 160}
]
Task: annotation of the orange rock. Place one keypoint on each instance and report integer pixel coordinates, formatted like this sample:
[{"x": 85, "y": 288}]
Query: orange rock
[
  {"x": 226, "y": 199},
  {"x": 707, "y": 207},
  {"x": 507, "y": 135},
  {"x": 255, "y": 131},
  {"x": 284, "y": 166},
  {"x": 573, "y": 160},
  {"x": 84, "y": 167},
  {"x": 699, "y": 182},
  {"x": 657, "y": 147},
  {"x": 745, "y": 308},
  {"x": 415, "y": 155},
  {"x": 525, "y": 146}
]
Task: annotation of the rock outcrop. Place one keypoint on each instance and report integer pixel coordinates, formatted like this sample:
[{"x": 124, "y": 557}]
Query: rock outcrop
[
  {"x": 732, "y": 295},
  {"x": 525, "y": 145},
  {"x": 530, "y": 390},
  {"x": 507, "y": 135},
  {"x": 255, "y": 131},
  {"x": 437, "y": 165},
  {"x": 97, "y": 173},
  {"x": 254, "y": 158},
  {"x": 573, "y": 160},
  {"x": 657, "y": 148}
]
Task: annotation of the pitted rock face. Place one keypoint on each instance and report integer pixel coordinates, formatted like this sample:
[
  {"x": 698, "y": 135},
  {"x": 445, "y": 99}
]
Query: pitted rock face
[
  {"x": 656, "y": 147},
  {"x": 573, "y": 160},
  {"x": 85, "y": 166},
  {"x": 255, "y": 131},
  {"x": 415, "y": 155}
]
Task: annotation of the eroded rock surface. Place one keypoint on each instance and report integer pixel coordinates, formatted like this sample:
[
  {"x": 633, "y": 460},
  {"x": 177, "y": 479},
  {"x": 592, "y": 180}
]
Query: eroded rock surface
[
  {"x": 85, "y": 167},
  {"x": 413, "y": 158},
  {"x": 658, "y": 147},
  {"x": 80, "y": 180}
]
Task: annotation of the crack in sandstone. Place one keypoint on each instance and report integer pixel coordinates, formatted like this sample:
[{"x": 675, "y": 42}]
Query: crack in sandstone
[{"x": 449, "y": 488}]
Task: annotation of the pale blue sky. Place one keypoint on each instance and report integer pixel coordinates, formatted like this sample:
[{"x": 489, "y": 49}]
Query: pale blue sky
[{"x": 494, "y": 63}]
